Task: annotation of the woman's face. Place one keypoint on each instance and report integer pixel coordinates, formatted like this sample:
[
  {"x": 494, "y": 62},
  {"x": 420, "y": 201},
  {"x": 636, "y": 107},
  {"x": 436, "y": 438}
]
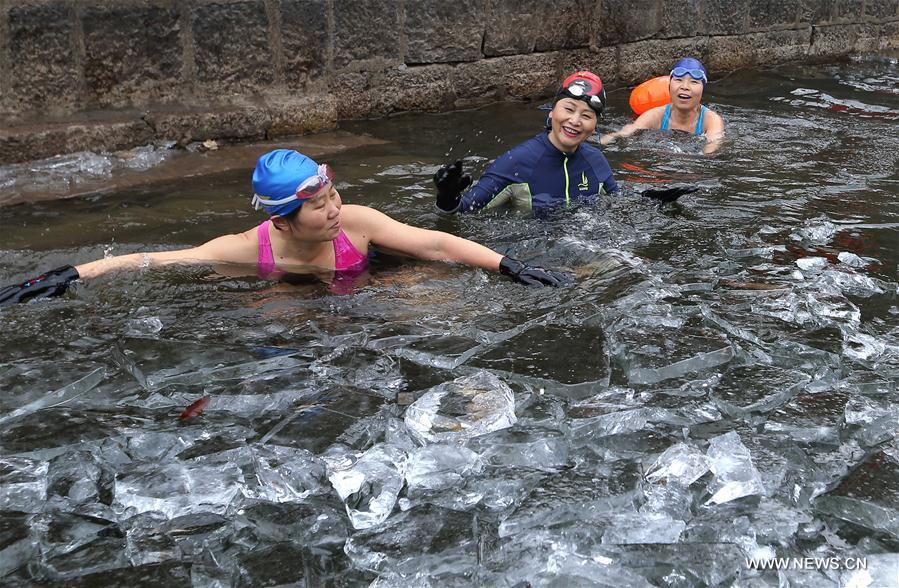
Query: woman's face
[
  {"x": 572, "y": 122},
  {"x": 319, "y": 217},
  {"x": 686, "y": 92}
]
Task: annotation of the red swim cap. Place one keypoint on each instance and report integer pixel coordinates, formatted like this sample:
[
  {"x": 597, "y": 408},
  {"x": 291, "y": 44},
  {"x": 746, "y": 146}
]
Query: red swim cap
[{"x": 586, "y": 86}]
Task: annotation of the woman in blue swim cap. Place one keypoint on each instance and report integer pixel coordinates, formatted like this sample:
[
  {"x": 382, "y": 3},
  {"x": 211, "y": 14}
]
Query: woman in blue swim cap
[
  {"x": 684, "y": 112},
  {"x": 308, "y": 230}
]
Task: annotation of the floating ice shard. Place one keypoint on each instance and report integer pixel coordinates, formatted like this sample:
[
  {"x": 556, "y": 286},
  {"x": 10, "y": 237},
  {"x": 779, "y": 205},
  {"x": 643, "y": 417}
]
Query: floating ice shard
[
  {"x": 812, "y": 264},
  {"x": 817, "y": 231},
  {"x": 643, "y": 528},
  {"x": 439, "y": 466},
  {"x": 679, "y": 463},
  {"x": 851, "y": 259},
  {"x": 464, "y": 408},
  {"x": 369, "y": 488},
  {"x": 176, "y": 490},
  {"x": 23, "y": 484},
  {"x": 535, "y": 449},
  {"x": 700, "y": 361},
  {"x": 286, "y": 475},
  {"x": 143, "y": 327},
  {"x": 735, "y": 475}
]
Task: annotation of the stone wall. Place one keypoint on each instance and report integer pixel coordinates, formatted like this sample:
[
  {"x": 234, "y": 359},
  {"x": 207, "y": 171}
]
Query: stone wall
[{"x": 113, "y": 74}]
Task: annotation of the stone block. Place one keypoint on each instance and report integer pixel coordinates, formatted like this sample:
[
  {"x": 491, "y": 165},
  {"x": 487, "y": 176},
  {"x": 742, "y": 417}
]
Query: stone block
[
  {"x": 680, "y": 18},
  {"x": 31, "y": 143},
  {"x": 515, "y": 76},
  {"x": 355, "y": 99},
  {"x": 603, "y": 62},
  {"x": 294, "y": 116},
  {"x": 232, "y": 51},
  {"x": 523, "y": 26},
  {"x": 44, "y": 72},
  {"x": 848, "y": 11},
  {"x": 766, "y": 15},
  {"x": 304, "y": 40},
  {"x": 757, "y": 49},
  {"x": 425, "y": 88},
  {"x": 441, "y": 32},
  {"x": 724, "y": 17},
  {"x": 626, "y": 22},
  {"x": 133, "y": 54},
  {"x": 815, "y": 11},
  {"x": 366, "y": 30},
  {"x": 647, "y": 59},
  {"x": 187, "y": 126},
  {"x": 882, "y": 9},
  {"x": 837, "y": 39}
]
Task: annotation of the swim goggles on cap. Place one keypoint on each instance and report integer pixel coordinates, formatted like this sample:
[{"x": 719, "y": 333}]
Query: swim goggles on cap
[
  {"x": 696, "y": 74},
  {"x": 309, "y": 188},
  {"x": 577, "y": 91}
]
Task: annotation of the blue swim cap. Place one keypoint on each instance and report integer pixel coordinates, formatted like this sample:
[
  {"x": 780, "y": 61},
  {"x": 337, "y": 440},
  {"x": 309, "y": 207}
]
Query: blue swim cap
[
  {"x": 689, "y": 66},
  {"x": 276, "y": 178}
]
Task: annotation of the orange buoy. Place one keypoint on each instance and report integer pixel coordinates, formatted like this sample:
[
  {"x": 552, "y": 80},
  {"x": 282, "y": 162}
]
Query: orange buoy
[{"x": 650, "y": 94}]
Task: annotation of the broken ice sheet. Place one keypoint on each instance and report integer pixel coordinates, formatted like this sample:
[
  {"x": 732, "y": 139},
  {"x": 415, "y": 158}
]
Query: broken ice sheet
[
  {"x": 643, "y": 528},
  {"x": 735, "y": 475},
  {"x": 534, "y": 448},
  {"x": 439, "y": 466},
  {"x": 285, "y": 474},
  {"x": 462, "y": 409},
  {"x": 370, "y": 487},
  {"x": 177, "y": 489},
  {"x": 679, "y": 463},
  {"x": 23, "y": 484}
]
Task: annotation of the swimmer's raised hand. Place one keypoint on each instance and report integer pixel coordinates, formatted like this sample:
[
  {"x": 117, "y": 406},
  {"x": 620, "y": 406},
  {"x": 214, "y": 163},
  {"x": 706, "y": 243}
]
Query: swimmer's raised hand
[
  {"x": 450, "y": 182},
  {"x": 530, "y": 275},
  {"x": 48, "y": 285}
]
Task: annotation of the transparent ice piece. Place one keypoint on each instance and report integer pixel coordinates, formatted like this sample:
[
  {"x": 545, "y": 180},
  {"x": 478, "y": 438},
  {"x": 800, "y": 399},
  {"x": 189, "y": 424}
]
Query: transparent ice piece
[
  {"x": 680, "y": 463},
  {"x": 370, "y": 487},
  {"x": 439, "y": 466},
  {"x": 61, "y": 396},
  {"x": 143, "y": 327},
  {"x": 851, "y": 259},
  {"x": 535, "y": 449},
  {"x": 17, "y": 547},
  {"x": 643, "y": 528},
  {"x": 286, "y": 475},
  {"x": 700, "y": 361},
  {"x": 175, "y": 489},
  {"x": 464, "y": 408},
  {"x": 817, "y": 231},
  {"x": 735, "y": 475},
  {"x": 23, "y": 484},
  {"x": 146, "y": 543},
  {"x": 812, "y": 264}
]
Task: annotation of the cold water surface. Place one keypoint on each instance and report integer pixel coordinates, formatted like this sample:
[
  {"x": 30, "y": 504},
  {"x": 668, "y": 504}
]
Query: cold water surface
[{"x": 720, "y": 384}]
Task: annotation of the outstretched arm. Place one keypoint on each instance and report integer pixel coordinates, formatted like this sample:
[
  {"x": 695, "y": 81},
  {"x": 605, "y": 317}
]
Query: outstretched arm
[
  {"x": 225, "y": 249},
  {"x": 651, "y": 119},
  {"x": 397, "y": 237}
]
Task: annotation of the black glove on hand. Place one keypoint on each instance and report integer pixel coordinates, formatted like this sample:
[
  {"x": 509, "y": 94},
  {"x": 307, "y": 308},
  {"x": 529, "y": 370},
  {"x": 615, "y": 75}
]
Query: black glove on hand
[
  {"x": 450, "y": 184},
  {"x": 666, "y": 194},
  {"x": 532, "y": 275},
  {"x": 48, "y": 285}
]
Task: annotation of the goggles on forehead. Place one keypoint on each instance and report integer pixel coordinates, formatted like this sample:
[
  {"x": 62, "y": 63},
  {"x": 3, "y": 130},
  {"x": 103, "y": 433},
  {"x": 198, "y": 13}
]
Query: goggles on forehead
[
  {"x": 696, "y": 74},
  {"x": 578, "y": 92},
  {"x": 309, "y": 188}
]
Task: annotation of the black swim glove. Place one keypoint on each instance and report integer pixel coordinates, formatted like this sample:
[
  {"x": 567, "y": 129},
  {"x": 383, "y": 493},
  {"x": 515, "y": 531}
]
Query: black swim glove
[
  {"x": 48, "y": 285},
  {"x": 532, "y": 275},
  {"x": 450, "y": 182},
  {"x": 671, "y": 193}
]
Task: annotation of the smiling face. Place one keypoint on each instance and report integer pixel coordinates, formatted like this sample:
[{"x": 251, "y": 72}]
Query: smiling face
[
  {"x": 686, "y": 92},
  {"x": 572, "y": 122}
]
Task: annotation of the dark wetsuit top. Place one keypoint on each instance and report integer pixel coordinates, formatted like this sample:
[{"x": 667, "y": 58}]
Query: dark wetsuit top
[{"x": 536, "y": 175}]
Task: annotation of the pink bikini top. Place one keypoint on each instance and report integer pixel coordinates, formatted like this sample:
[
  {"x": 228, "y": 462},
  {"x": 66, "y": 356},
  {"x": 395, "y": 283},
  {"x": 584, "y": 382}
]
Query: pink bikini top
[{"x": 346, "y": 256}]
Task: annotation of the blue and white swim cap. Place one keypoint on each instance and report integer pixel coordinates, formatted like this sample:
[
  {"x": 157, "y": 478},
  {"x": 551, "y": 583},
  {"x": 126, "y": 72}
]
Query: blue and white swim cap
[
  {"x": 276, "y": 178},
  {"x": 689, "y": 66}
]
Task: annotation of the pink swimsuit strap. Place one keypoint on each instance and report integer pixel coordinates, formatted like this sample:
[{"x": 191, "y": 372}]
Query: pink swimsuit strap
[{"x": 346, "y": 256}]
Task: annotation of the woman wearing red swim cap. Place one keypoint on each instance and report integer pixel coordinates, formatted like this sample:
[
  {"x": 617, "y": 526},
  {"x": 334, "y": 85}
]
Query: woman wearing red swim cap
[
  {"x": 555, "y": 168},
  {"x": 684, "y": 112},
  {"x": 308, "y": 230}
]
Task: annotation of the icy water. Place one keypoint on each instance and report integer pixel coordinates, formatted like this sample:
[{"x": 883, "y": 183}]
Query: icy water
[{"x": 720, "y": 385}]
